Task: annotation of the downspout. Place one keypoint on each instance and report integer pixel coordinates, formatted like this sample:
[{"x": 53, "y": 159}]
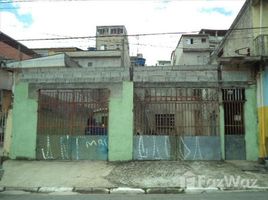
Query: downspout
[{"x": 261, "y": 86}]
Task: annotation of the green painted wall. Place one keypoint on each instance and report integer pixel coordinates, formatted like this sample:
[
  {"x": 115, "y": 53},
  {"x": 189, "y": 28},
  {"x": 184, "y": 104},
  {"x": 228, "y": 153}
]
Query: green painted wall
[
  {"x": 222, "y": 135},
  {"x": 251, "y": 124},
  {"x": 121, "y": 125},
  {"x": 24, "y": 123}
]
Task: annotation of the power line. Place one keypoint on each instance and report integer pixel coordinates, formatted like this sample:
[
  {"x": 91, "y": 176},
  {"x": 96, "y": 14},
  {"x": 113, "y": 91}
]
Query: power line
[
  {"x": 29, "y": 1},
  {"x": 132, "y": 35}
]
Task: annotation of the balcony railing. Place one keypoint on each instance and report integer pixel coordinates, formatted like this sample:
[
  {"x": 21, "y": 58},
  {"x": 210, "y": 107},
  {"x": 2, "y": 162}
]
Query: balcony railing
[{"x": 261, "y": 45}]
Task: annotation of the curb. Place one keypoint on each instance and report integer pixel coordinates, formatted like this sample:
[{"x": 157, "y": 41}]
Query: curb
[
  {"x": 24, "y": 189},
  {"x": 128, "y": 190},
  {"x": 201, "y": 190},
  {"x": 54, "y": 189},
  {"x": 163, "y": 190},
  {"x": 85, "y": 190}
]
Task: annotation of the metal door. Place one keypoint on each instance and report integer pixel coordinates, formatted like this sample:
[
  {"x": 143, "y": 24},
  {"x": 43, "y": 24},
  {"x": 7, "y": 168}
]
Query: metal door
[{"x": 233, "y": 102}]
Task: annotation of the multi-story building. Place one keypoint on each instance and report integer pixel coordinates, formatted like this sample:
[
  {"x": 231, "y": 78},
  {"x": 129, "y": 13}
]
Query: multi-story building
[
  {"x": 111, "y": 38},
  {"x": 195, "y": 49},
  {"x": 112, "y": 49}
]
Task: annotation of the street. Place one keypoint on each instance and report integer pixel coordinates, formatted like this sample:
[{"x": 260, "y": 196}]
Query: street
[{"x": 211, "y": 196}]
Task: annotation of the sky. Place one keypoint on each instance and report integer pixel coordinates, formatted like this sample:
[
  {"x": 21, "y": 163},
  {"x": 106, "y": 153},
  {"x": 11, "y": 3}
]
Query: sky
[{"x": 28, "y": 19}]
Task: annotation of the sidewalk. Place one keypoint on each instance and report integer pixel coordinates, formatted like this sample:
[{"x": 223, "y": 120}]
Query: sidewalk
[{"x": 134, "y": 176}]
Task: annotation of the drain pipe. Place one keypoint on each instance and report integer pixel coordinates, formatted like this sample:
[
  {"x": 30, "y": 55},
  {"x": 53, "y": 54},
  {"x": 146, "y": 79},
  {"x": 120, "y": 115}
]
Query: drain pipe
[{"x": 262, "y": 70}]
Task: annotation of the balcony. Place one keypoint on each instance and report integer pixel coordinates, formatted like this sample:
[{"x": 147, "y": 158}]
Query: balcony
[{"x": 261, "y": 45}]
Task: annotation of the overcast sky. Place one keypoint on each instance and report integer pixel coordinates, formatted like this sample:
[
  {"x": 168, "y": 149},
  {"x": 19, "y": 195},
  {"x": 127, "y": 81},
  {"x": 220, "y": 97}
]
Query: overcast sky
[{"x": 66, "y": 18}]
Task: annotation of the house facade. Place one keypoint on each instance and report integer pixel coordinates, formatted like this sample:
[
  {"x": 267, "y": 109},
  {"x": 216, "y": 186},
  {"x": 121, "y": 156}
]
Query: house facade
[
  {"x": 212, "y": 110},
  {"x": 244, "y": 48}
]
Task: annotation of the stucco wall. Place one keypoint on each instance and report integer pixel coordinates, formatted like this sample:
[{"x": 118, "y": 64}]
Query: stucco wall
[
  {"x": 24, "y": 123},
  {"x": 121, "y": 125},
  {"x": 251, "y": 124},
  {"x": 99, "y": 62},
  {"x": 242, "y": 37}
]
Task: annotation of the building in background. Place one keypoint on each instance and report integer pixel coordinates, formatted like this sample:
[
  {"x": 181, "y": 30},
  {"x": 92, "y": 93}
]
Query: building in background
[
  {"x": 137, "y": 60},
  {"x": 112, "y": 49},
  {"x": 51, "y": 51},
  {"x": 195, "y": 49}
]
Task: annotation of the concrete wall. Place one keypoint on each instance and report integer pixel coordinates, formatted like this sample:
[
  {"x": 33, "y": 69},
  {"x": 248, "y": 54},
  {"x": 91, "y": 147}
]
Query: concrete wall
[
  {"x": 8, "y": 134},
  {"x": 251, "y": 124},
  {"x": 6, "y": 80},
  {"x": 260, "y": 21},
  {"x": 75, "y": 75},
  {"x": 121, "y": 125},
  {"x": 222, "y": 131},
  {"x": 197, "y": 41},
  {"x": 24, "y": 123},
  {"x": 187, "y": 54},
  {"x": 177, "y": 74},
  {"x": 192, "y": 58},
  {"x": 238, "y": 39},
  {"x": 99, "y": 62}
]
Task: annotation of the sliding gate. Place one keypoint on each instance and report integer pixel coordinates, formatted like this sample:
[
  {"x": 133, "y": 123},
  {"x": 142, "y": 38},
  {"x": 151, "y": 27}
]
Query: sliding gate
[
  {"x": 176, "y": 123},
  {"x": 73, "y": 124}
]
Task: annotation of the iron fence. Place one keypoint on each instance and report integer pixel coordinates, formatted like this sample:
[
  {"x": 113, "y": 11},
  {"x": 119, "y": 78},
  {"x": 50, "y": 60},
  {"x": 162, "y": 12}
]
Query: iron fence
[
  {"x": 233, "y": 102},
  {"x": 176, "y": 111},
  {"x": 73, "y": 112}
]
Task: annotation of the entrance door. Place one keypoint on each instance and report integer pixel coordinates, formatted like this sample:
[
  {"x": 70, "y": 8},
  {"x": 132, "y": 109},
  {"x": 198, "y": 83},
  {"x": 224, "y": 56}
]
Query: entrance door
[{"x": 233, "y": 102}]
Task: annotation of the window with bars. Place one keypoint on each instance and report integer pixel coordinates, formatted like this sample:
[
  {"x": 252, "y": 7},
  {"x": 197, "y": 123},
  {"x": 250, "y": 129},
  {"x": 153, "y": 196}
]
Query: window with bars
[{"x": 164, "y": 122}]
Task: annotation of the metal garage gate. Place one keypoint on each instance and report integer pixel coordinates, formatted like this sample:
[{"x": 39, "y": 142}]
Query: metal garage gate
[
  {"x": 73, "y": 124},
  {"x": 176, "y": 123},
  {"x": 234, "y": 126}
]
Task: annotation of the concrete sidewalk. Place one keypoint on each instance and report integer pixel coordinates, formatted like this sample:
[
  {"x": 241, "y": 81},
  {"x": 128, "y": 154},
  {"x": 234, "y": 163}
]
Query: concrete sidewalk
[{"x": 135, "y": 176}]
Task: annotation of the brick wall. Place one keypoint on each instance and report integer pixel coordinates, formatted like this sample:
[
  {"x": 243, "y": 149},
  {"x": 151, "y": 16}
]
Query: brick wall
[{"x": 9, "y": 52}]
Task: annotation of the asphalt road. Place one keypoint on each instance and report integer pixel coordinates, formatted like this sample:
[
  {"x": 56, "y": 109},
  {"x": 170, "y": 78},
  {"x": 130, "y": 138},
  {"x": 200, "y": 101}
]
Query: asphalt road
[{"x": 211, "y": 196}]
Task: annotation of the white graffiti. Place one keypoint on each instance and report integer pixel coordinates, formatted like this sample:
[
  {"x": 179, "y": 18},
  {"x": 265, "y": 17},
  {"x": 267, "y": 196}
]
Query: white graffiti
[
  {"x": 155, "y": 150},
  {"x": 197, "y": 149},
  {"x": 182, "y": 154},
  {"x": 99, "y": 142},
  {"x": 185, "y": 151},
  {"x": 64, "y": 147},
  {"x": 48, "y": 154},
  {"x": 77, "y": 148},
  {"x": 142, "y": 152}
]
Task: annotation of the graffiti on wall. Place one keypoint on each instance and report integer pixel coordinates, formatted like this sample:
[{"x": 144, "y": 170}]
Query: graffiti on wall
[
  {"x": 72, "y": 147},
  {"x": 151, "y": 148},
  {"x": 179, "y": 148}
]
